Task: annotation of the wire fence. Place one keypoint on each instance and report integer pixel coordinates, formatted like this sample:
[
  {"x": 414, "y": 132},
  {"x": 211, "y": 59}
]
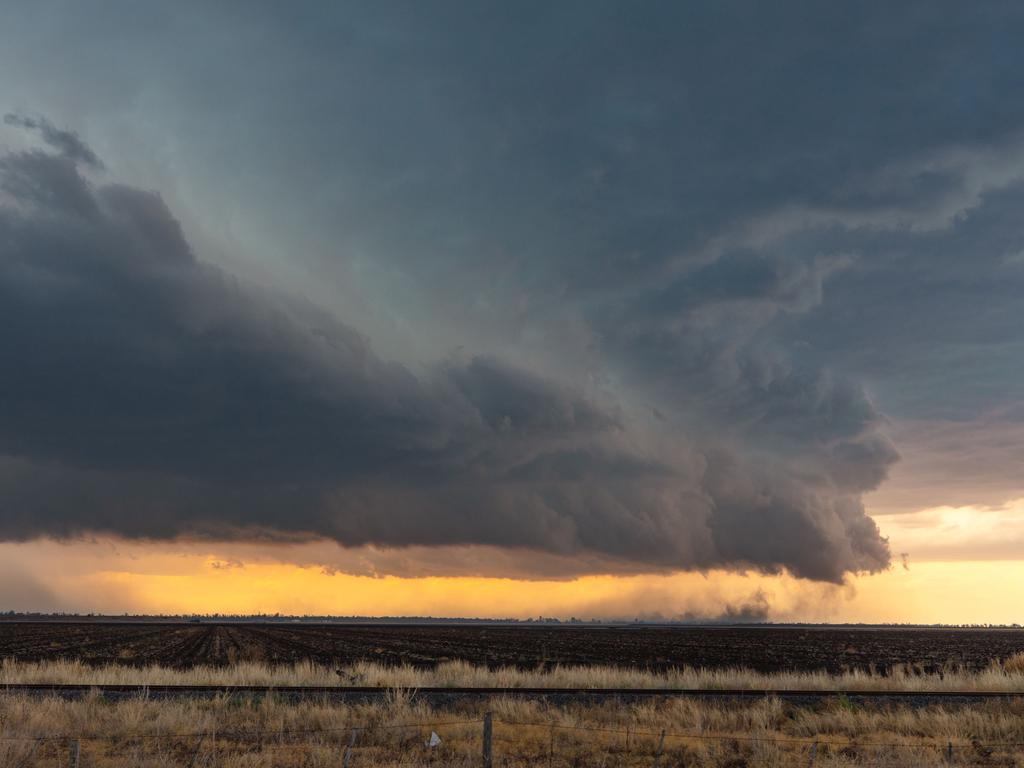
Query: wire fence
[{"x": 486, "y": 742}]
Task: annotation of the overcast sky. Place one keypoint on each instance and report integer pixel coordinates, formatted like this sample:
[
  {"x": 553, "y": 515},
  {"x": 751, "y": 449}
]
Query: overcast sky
[{"x": 604, "y": 288}]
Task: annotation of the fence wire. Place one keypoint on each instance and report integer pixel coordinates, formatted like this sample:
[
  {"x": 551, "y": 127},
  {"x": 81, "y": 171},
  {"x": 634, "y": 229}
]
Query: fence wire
[
  {"x": 258, "y": 734},
  {"x": 656, "y": 748}
]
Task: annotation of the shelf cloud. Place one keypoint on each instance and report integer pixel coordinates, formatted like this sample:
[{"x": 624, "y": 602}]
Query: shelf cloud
[
  {"x": 149, "y": 394},
  {"x": 677, "y": 291}
]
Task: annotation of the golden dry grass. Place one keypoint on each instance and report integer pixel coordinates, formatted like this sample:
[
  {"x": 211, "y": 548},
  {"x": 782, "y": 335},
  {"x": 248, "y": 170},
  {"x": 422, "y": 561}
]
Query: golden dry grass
[
  {"x": 260, "y": 732},
  {"x": 1007, "y": 676},
  {"x": 264, "y": 732}
]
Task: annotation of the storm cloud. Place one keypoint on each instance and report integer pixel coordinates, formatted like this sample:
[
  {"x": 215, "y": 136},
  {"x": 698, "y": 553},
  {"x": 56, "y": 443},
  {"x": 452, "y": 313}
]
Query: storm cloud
[
  {"x": 631, "y": 288},
  {"x": 148, "y": 394},
  {"x": 68, "y": 143}
]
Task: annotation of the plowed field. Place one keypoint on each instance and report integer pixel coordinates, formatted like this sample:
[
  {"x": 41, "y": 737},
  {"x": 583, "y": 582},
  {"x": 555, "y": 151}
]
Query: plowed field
[{"x": 763, "y": 649}]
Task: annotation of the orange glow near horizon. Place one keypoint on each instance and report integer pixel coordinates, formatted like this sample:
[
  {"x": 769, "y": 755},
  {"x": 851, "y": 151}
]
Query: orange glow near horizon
[
  {"x": 942, "y": 583},
  {"x": 933, "y": 592},
  {"x": 930, "y": 592}
]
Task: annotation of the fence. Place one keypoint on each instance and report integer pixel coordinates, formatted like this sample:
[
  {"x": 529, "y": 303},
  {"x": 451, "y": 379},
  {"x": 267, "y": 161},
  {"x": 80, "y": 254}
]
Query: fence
[{"x": 484, "y": 742}]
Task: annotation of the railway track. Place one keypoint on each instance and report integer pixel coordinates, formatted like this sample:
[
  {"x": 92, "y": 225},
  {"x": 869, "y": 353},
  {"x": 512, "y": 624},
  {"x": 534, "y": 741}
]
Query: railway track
[{"x": 370, "y": 693}]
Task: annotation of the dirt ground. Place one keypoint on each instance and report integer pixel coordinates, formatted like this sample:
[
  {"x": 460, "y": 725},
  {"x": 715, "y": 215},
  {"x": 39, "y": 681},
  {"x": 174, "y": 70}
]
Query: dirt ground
[{"x": 764, "y": 649}]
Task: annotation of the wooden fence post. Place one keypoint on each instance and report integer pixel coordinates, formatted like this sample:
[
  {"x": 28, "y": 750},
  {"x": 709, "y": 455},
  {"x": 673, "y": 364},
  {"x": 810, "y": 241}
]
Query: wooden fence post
[
  {"x": 949, "y": 752},
  {"x": 348, "y": 750},
  {"x": 661, "y": 746},
  {"x": 199, "y": 746},
  {"x": 488, "y": 728},
  {"x": 814, "y": 754},
  {"x": 74, "y": 752}
]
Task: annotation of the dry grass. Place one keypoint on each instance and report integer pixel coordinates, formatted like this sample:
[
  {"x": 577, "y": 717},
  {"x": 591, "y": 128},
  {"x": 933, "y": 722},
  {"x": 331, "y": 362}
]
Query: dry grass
[
  {"x": 1007, "y": 676},
  {"x": 1013, "y": 664},
  {"x": 260, "y": 732},
  {"x": 266, "y": 731}
]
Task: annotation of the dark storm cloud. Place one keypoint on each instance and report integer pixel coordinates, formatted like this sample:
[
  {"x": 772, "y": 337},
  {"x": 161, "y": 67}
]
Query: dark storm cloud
[
  {"x": 121, "y": 332},
  {"x": 716, "y": 239},
  {"x": 927, "y": 315},
  {"x": 68, "y": 143},
  {"x": 150, "y": 395},
  {"x": 596, "y": 160}
]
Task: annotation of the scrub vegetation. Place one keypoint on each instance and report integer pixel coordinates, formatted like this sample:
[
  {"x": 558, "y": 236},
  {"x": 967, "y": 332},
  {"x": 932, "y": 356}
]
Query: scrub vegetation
[
  {"x": 268, "y": 731},
  {"x": 235, "y": 731},
  {"x": 999, "y": 676}
]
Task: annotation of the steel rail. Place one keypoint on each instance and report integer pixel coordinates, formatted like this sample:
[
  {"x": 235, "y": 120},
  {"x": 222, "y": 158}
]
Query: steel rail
[{"x": 376, "y": 691}]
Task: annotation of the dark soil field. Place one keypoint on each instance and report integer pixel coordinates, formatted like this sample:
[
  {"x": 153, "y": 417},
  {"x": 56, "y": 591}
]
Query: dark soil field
[{"x": 764, "y": 649}]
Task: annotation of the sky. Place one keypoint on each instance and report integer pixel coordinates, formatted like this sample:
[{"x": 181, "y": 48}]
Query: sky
[{"x": 703, "y": 311}]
